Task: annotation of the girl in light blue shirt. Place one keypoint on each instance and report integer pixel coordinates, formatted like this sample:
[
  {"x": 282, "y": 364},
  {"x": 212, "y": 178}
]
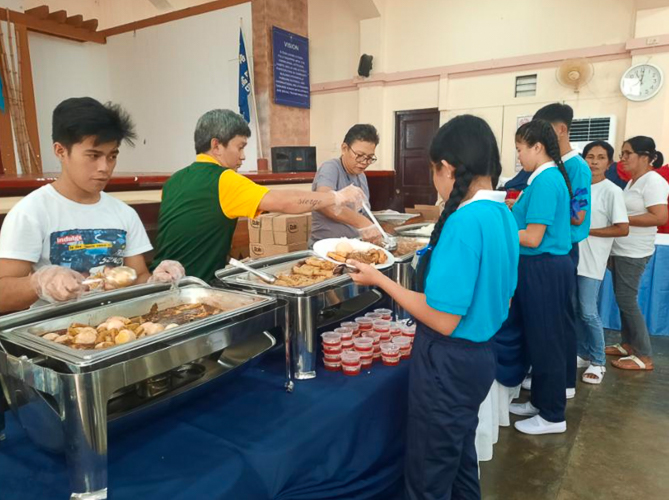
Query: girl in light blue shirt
[
  {"x": 469, "y": 273},
  {"x": 545, "y": 280}
]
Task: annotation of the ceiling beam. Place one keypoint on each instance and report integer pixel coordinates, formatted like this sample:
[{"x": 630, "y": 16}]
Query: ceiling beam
[
  {"x": 41, "y": 12},
  {"x": 60, "y": 16},
  {"x": 90, "y": 25},
  {"x": 49, "y": 27},
  {"x": 75, "y": 21}
]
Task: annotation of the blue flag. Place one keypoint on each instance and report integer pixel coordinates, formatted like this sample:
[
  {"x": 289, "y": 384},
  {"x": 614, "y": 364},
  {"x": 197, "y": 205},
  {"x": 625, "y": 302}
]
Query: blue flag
[{"x": 244, "y": 80}]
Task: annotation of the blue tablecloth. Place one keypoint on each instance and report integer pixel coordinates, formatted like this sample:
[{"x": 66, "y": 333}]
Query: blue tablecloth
[
  {"x": 653, "y": 295},
  {"x": 335, "y": 437}
]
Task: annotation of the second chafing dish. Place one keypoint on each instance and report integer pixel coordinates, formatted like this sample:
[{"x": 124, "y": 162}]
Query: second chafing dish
[
  {"x": 414, "y": 230},
  {"x": 310, "y": 308},
  {"x": 403, "y": 271}
]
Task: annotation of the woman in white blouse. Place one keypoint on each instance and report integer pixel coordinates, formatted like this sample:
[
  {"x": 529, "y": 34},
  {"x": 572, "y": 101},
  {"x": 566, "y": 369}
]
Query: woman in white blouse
[
  {"x": 646, "y": 202},
  {"x": 609, "y": 221}
]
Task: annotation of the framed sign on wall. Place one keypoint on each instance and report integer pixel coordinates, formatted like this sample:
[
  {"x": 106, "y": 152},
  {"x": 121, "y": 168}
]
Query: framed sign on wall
[{"x": 291, "y": 68}]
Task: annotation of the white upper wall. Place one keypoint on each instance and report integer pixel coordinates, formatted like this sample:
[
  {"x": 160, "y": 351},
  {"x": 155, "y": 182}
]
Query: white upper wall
[
  {"x": 429, "y": 33},
  {"x": 491, "y": 98},
  {"x": 652, "y": 22},
  {"x": 334, "y": 41},
  {"x": 335, "y": 114},
  {"x": 63, "y": 69},
  {"x": 168, "y": 75},
  {"x": 165, "y": 76},
  {"x": 423, "y": 34}
]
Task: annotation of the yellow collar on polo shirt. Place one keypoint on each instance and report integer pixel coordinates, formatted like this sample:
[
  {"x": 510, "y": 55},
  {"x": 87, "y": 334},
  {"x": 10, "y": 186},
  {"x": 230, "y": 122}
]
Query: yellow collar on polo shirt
[{"x": 204, "y": 158}]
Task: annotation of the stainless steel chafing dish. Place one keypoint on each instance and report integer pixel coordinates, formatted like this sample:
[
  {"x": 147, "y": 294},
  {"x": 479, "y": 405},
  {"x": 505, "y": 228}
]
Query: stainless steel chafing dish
[
  {"x": 64, "y": 398},
  {"x": 403, "y": 271},
  {"x": 412, "y": 230},
  {"x": 310, "y": 309}
]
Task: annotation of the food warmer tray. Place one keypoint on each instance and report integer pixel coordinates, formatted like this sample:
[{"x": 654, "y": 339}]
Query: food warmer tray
[
  {"x": 310, "y": 309},
  {"x": 410, "y": 230},
  {"x": 404, "y": 273},
  {"x": 73, "y": 394}
]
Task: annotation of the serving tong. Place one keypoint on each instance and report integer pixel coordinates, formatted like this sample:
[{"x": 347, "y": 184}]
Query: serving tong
[
  {"x": 389, "y": 243},
  {"x": 266, "y": 277}
]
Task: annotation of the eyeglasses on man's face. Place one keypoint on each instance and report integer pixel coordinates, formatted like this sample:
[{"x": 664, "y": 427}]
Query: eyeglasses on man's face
[{"x": 363, "y": 158}]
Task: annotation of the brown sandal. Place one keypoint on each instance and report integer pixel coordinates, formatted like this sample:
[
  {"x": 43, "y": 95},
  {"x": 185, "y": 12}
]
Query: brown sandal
[
  {"x": 618, "y": 350},
  {"x": 633, "y": 363}
]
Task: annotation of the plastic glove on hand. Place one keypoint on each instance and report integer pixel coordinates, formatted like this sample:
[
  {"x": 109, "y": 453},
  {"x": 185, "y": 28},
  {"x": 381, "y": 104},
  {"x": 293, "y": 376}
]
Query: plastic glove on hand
[
  {"x": 351, "y": 196},
  {"x": 371, "y": 234},
  {"x": 57, "y": 284},
  {"x": 168, "y": 271}
]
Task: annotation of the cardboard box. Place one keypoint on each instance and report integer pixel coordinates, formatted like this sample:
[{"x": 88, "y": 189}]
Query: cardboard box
[
  {"x": 260, "y": 250},
  {"x": 257, "y": 225},
  {"x": 428, "y": 212},
  {"x": 280, "y": 229}
]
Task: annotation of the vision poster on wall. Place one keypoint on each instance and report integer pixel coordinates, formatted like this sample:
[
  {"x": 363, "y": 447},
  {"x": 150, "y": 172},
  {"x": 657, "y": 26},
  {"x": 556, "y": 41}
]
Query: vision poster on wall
[{"x": 291, "y": 68}]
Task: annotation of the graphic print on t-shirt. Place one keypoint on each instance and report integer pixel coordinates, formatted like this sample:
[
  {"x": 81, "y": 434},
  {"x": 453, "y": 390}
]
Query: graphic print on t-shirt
[{"x": 88, "y": 250}]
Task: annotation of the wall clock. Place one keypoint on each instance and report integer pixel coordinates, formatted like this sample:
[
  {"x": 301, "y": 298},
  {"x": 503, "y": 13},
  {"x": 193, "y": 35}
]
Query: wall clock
[{"x": 641, "y": 82}]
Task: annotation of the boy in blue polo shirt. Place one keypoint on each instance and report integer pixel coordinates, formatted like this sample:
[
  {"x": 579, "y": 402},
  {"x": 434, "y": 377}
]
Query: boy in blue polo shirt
[
  {"x": 469, "y": 277},
  {"x": 560, "y": 117}
]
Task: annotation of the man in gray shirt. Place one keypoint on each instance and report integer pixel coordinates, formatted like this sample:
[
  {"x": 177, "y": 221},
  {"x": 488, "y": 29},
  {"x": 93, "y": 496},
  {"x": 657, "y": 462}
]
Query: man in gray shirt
[{"x": 357, "y": 153}]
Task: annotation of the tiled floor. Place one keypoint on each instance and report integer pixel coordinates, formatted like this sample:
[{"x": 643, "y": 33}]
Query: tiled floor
[{"x": 616, "y": 446}]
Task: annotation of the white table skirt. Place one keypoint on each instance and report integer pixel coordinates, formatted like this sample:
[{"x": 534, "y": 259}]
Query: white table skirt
[{"x": 493, "y": 413}]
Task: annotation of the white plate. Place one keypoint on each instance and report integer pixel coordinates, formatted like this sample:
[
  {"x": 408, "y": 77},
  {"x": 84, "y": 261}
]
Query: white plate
[{"x": 322, "y": 248}]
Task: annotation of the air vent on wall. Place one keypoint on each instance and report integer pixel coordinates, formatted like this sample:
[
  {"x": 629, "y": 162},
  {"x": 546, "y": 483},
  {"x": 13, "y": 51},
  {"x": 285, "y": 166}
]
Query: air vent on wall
[
  {"x": 526, "y": 85},
  {"x": 585, "y": 130}
]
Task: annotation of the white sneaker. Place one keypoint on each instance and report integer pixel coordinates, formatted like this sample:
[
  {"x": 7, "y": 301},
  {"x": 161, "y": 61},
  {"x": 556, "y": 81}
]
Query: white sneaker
[
  {"x": 527, "y": 383},
  {"x": 537, "y": 425},
  {"x": 523, "y": 409},
  {"x": 570, "y": 393},
  {"x": 582, "y": 363}
]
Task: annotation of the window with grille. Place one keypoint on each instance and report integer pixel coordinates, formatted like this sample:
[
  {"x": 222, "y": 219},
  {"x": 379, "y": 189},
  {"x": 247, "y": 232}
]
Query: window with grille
[{"x": 526, "y": 85}]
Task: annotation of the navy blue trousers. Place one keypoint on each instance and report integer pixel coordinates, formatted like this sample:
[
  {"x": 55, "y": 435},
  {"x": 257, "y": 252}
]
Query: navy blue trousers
[
  {"x": 512, "y": 359},
  {"x": 571, "y": 318},
  {"x": 448, "y": 381},
  {"x": 538, "y": 321}
]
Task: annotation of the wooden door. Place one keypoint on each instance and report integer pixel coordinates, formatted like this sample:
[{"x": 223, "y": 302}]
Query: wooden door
[{"x": 413, "y": 133}]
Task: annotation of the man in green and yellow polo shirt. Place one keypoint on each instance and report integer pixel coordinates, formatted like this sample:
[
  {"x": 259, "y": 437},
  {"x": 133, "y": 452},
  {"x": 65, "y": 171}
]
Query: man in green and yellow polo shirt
[{"x": 201, "y": 203}]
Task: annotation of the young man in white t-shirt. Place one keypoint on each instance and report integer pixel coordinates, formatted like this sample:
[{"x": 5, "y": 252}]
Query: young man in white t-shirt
[
  {"x": 608, "y": 221},
  {"x": 63, "y": 232}
]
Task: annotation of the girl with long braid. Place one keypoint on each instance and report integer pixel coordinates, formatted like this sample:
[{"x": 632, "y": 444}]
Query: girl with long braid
[
  {"x": 468, "y": 273},
  {"x": 545, "y": 280}
]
